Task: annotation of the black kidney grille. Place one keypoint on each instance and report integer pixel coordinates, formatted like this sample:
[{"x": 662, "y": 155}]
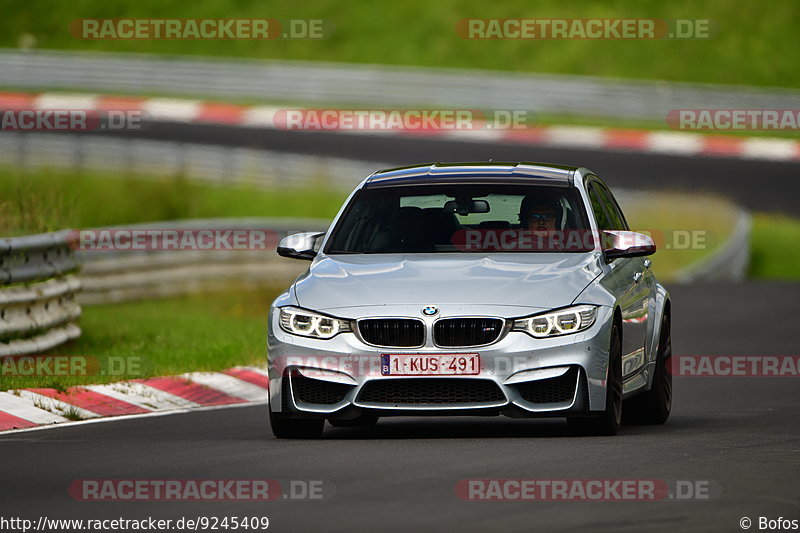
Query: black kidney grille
[
  {"x": 307, "y": 390},
  {"x": 457, "y": 332},
  {"x": 398, "y": 332},
  {"x": 553, "y": 390},
  {"x": 442, "y": 391}
]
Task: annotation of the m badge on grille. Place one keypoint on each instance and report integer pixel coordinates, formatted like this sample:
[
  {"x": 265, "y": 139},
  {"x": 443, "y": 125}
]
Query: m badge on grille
[{"x": 430, "y": 310}]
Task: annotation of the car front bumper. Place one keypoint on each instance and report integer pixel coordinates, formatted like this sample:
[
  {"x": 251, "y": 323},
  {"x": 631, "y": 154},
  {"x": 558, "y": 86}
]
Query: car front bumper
[{"x": 520, "y": 376}]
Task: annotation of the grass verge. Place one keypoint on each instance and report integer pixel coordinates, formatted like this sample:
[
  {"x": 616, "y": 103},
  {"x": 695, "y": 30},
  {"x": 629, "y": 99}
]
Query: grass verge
[
  {"x": 38, "y": 201},
  {"x": 774, "y": 250}
]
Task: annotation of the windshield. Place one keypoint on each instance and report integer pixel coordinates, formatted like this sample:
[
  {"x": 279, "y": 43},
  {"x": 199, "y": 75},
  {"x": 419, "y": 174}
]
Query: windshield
[{"x": 463, "y": 218}]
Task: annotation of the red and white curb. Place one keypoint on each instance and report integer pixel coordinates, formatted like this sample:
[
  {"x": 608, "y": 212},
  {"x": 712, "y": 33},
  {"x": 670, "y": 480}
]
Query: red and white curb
[
  {"x": 30, "y": 408},
  {"x": 583, "y": 137}
]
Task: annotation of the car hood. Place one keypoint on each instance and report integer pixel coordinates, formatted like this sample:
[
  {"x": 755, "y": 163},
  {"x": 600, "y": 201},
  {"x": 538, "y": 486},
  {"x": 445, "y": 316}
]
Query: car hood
[{"x": 539, "y": 280}]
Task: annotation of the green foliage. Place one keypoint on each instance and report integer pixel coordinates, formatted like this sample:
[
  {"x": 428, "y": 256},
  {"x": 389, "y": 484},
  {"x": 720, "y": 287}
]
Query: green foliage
[{"x": 756, "y": 43}]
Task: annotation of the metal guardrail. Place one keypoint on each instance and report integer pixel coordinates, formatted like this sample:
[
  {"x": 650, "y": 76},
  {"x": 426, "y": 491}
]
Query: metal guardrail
[
  {"x": 38, "y": 309},
  {"x": 35, "y": 257},
  {"x": 205, "y": 162},
  {"x": 728, "y": 263},
  {"x": 120, "y": 275},
  {"x": 374, "y": 85}
]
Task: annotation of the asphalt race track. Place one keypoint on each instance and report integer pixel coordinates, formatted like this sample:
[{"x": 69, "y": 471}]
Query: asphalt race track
[{"x": 741, "y": 435}]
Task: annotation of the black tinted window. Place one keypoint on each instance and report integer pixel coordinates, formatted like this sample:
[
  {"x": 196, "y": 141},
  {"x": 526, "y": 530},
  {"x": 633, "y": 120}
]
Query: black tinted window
[
  {"x": 599, "y": 209},
  {"x": 442, "y": 218},
  {"x": 612, "y": 208}
]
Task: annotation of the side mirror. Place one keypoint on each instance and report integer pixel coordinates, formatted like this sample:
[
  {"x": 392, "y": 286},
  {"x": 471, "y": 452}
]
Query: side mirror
[
  {"x": 617, "y": 243},
  {"x": 299, "y": 245}
]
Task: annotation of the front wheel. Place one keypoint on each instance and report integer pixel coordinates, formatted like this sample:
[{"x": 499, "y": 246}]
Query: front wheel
[
  {"x": 609, "y": 420},
  {"x": 294, "y": 428}
]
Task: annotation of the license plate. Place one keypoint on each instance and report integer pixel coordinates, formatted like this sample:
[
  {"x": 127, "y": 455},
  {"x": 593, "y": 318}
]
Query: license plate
[{"x": 440, "y": 364}]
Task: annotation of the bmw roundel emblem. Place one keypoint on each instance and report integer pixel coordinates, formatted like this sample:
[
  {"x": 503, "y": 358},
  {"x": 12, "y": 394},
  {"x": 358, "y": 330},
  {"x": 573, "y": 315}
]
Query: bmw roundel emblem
[{"x": 430, "y": 310}]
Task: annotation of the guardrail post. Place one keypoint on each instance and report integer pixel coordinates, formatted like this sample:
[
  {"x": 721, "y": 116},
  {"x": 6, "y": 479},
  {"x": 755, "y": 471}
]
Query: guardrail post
[{"x": 38, "y": 308}]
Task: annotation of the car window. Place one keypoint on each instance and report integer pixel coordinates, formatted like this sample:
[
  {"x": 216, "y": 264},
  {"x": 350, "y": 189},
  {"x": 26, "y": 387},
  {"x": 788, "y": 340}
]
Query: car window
[
  {"x": 612, "y": 208},
  {"x": 503, "y": 207},
  {"x": 424, "y": 219},
  {"x": 598, "y": 208}
]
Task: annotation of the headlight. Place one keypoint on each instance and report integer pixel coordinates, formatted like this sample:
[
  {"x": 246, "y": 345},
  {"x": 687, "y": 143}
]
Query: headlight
[
  {"x": 309, "y": 324},
  {"x": 561, "y": 322}
]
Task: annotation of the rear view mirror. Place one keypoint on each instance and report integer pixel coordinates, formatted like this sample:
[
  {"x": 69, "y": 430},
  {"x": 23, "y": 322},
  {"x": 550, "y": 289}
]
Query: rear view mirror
[
  {"x": 299, "y": 245},
  {"x": 464, "y": 208},
  {"x": 626, "y": 244}
]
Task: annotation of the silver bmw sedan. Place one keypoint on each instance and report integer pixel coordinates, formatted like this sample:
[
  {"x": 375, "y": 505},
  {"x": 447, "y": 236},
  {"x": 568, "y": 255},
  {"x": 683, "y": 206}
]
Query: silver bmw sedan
[{"x": 510, "y": 289}]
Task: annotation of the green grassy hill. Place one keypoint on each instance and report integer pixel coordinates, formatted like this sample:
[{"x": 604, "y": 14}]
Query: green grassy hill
[{"x": 756, "y": 42}]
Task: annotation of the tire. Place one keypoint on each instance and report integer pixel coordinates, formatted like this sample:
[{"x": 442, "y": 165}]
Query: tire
[
  {"x": 363, "y": 421},
  {"x": 295, "y": 428},
  {"x": 654, "y": 406},
  {"x": 609, "y": 420}
]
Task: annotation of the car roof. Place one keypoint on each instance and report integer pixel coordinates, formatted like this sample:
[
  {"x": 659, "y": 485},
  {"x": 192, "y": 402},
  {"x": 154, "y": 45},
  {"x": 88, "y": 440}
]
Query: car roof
[{"x": 476, "y": 173}]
